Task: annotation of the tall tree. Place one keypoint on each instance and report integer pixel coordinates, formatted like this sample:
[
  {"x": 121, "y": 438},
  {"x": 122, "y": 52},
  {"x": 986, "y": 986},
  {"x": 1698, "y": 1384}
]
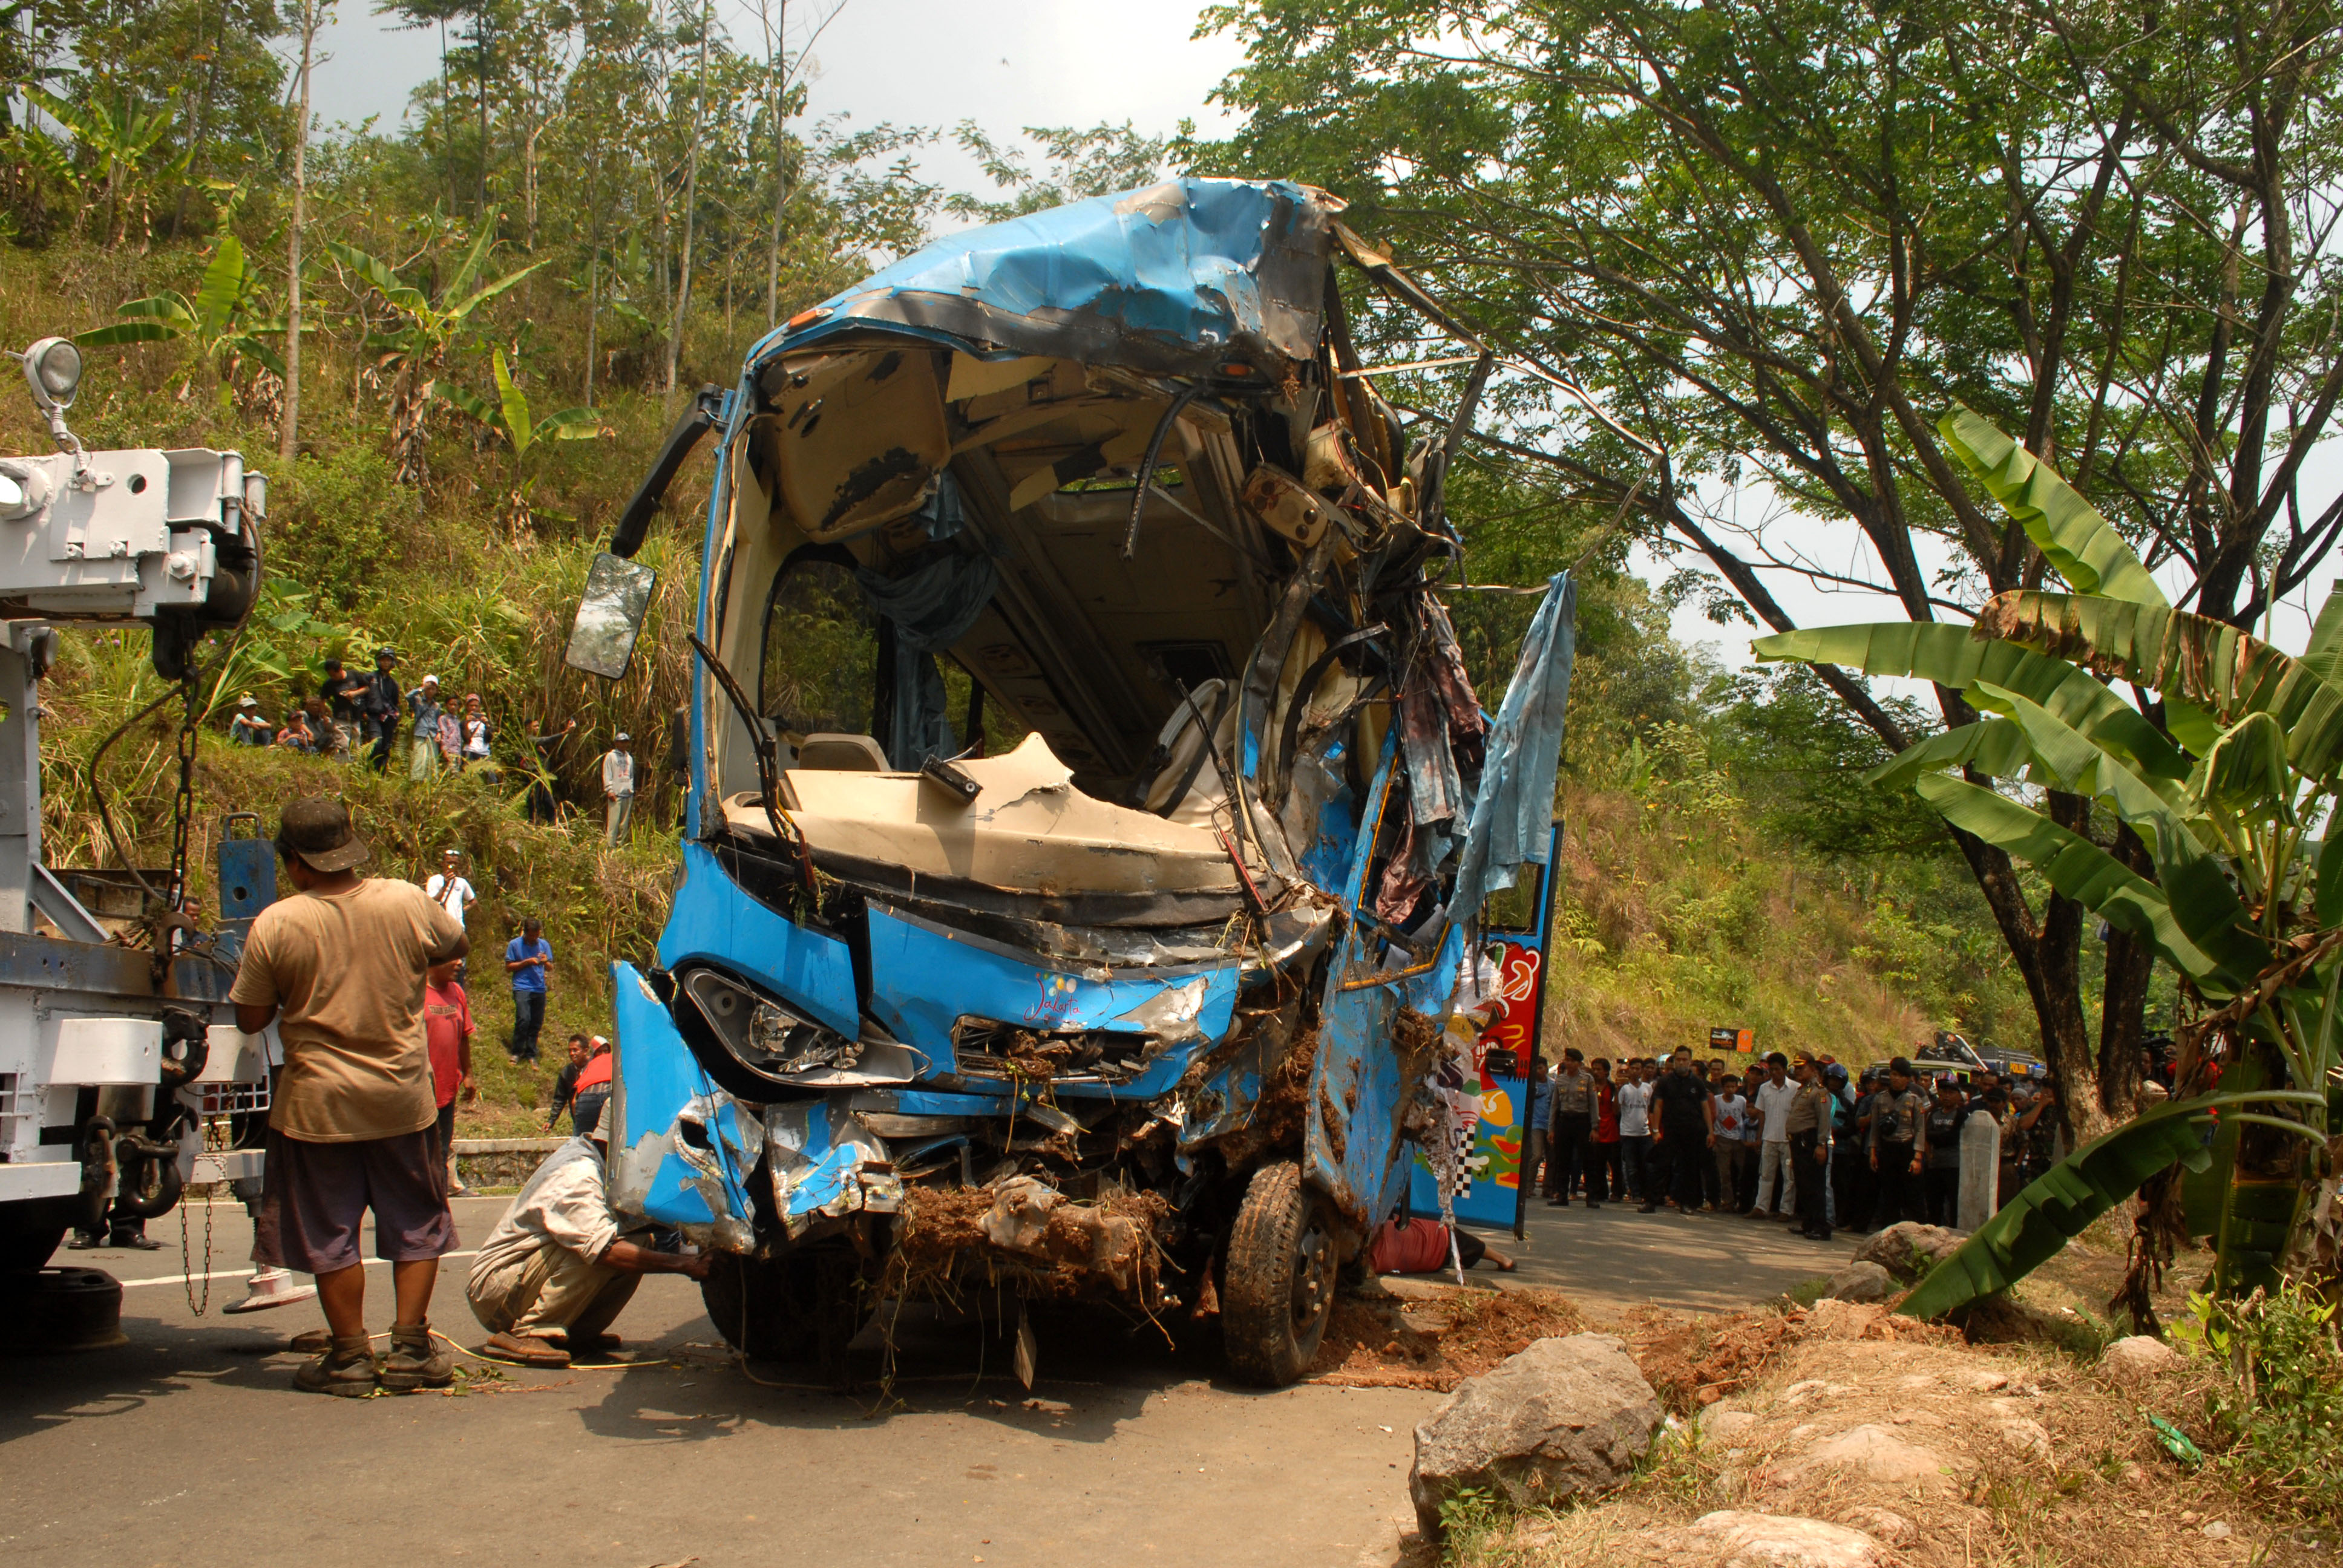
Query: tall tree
[
  {"x": 1777, "y": 240},
  {"x": 305, "y": 16}
]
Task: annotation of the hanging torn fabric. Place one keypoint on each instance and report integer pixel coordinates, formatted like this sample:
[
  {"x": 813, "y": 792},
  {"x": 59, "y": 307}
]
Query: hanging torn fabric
[
  {"x": 1512, "y": 817},
  {"x": 930, "y": 608}
]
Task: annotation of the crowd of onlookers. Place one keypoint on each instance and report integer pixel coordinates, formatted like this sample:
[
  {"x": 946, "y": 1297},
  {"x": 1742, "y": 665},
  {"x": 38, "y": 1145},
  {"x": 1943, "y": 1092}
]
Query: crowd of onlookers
[
  {"x": 352, "y": 717},
  {"x": 1798, "y": 1139}
]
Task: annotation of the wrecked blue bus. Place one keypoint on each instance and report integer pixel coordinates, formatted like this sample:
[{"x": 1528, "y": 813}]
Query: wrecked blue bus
[{"x": 1091, "y": 813}]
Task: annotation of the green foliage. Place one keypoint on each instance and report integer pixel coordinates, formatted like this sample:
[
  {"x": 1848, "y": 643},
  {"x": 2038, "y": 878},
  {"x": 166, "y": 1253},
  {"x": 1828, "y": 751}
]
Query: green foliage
[
  {"x": 1095, "y": 162},
  {"x": 2276, "y": 1417},
  {"x": 2060, "y": 1205}
]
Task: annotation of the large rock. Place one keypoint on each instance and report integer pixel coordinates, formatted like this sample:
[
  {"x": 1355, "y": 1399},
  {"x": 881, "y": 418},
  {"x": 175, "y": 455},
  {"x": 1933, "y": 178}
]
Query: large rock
[
  {"x": 1908, "y": 1250},
  {"x": 1860, "y": 1281},
  {"x": 1783, "y": 1541},
  {"x": 2136, "y": 1358},
  {"x": 1875, "y": 1453},
  {"x": 1566, "y": 1418}
]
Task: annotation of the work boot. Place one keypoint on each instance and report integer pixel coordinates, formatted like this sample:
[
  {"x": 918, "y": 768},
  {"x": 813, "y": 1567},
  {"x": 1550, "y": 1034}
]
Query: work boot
[
  {"x": 311, "y": 1342},
  {"x": 415, "y": 1359},
  {"x": 346, "y": 1369},
  {"x": 526, "y": 1350}
]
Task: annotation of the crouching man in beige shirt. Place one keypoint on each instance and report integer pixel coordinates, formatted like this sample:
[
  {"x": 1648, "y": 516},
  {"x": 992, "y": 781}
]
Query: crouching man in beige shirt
[{"x": 555, "y": 1274}]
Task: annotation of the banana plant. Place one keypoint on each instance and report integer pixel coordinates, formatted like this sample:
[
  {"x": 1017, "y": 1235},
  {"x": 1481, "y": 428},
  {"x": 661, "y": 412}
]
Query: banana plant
[
  {"x": 414, "y": 351},
  {"x": 126, "y": 153},
  {"x": 225, "y": 321},
  {"x": 509, "y": 416},
  {"x": 2243, "y": 902}
]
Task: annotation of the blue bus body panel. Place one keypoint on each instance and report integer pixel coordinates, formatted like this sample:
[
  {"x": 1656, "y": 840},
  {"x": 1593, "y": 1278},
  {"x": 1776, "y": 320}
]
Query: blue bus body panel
[
  {"x": 714, "y": 918},
  {"x": 926, "y": 977}
]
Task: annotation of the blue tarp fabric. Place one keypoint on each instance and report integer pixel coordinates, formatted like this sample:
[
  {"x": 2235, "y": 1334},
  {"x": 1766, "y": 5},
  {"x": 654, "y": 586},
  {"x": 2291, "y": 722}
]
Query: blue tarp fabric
[
  {"x": 1179, "y": 278},
  {"x": 932, "y": 607},
  {"x": 1512, "y": 817}
]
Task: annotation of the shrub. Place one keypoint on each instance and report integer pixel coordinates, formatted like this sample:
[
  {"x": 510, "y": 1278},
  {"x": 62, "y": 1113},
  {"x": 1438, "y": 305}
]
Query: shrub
[{"x": 2276, "y": 1418}]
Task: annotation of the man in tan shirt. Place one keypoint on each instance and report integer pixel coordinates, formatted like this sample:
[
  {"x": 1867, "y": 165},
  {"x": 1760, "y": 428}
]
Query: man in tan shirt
[{"x": 340, "y": 966}]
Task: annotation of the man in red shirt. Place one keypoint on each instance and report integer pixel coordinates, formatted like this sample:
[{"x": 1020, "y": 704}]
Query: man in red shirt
[
  {"x": 448, "y": 1030},
  {"x": 1420, "y": 1247}
]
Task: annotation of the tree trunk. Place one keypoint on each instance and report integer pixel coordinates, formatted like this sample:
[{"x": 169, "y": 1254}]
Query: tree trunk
[
  {"x": 2131, "y": 964},
  {"x": 691, "y": 202},
  {"x": 593, "y": 267},
  {"x": 780, "y": 178},
  {"x": 288, "y": 433}
]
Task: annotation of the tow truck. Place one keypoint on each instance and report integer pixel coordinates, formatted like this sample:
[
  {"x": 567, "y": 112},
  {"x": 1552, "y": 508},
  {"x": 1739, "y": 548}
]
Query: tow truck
[{"x": 123, "y": 1077}]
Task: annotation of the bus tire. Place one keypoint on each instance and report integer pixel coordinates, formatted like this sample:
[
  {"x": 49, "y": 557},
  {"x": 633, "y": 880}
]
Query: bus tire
[{"x": 1278, "y": 1292}]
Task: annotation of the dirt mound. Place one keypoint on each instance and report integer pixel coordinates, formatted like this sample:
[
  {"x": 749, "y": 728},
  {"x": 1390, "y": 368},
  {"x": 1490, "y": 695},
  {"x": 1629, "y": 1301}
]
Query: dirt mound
[{"x": 1434, "y": 1338}]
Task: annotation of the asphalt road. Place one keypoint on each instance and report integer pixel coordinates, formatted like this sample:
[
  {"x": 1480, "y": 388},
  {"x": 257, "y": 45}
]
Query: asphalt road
[{"x": 191, "y": 1446}]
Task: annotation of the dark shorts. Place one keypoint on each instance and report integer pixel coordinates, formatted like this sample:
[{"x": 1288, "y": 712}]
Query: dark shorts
[{"x": 315, "y": 1195}]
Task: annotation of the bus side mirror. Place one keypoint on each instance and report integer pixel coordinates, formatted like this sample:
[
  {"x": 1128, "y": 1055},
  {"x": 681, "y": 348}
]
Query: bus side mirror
[{"x": 610, "y": 617}]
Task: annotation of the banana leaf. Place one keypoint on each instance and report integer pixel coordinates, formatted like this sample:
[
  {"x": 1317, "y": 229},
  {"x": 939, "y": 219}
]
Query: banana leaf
[
  {"x": 2088, "y": 874},
  {"x": 2060, "y": 1203},
  {"x": 1994, "y": 747},
  {"x": 2324, "y": 655},
  {"x": 2080, "y": 543},
  {"x": 2188, "y": 657},
  {"x": 1952, "y": 656}
]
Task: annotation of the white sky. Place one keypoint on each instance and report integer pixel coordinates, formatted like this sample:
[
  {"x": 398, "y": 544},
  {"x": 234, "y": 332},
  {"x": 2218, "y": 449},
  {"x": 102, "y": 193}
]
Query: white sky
[
  {"x": 931, "y": 63},
  {"x": 935, "y": 62}
]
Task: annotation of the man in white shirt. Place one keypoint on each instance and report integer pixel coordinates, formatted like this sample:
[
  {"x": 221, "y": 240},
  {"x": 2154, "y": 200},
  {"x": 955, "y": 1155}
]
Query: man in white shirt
[
  {"x": 1635, "y": 1129},
  {"x": 1729, "y": 1115},
  {"x": 617, "y": 787},
  {"x": 1773, "y": 1165},
  {"x": 555, "y": 1274},
  {"x": 447, "y": 887}
]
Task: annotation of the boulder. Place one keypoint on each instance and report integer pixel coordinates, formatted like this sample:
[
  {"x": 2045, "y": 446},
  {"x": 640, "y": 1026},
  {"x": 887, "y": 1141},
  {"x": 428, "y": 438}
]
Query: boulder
[
  {"x": 1736, "y": 1540},
  {"x": 1908, "y": 1250},
  {"x": 1874, "y": 1453},
  {"x": 1723, "y": 1426},
  {"x": 1860, "y": 1281},
  {"x": 1568, "y": 1417},
  {"x": 2136, "y": 1358}
]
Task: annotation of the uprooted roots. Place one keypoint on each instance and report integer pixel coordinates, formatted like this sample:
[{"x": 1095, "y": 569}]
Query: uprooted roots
[{"x": 1111, "y": 1248}]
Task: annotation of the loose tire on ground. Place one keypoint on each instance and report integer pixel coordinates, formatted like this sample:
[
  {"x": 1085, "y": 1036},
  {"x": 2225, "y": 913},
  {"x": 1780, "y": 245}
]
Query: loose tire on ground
[{"x": 1279, "y": 1286}]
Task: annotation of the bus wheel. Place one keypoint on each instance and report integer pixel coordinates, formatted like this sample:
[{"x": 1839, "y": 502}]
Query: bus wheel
[{"x": 1280, "y": 1281}]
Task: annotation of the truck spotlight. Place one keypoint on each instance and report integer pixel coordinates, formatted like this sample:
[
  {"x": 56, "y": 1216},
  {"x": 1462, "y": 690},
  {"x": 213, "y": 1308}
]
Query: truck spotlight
[{"x": 53, "y": 371}]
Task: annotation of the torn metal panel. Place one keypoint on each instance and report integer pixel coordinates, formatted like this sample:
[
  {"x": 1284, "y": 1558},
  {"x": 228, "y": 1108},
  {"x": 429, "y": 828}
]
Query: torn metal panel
[
  {"x": 926, "y": 978},
  {"x": 676, "y": 1153},
  {"x": 1182, "y": 278},
  {"x": 714, "y": 918},
  {"x": 825, "y": 1162}
]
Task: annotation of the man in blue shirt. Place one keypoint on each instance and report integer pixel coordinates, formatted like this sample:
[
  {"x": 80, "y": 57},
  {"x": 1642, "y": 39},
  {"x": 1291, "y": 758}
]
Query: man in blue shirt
[{"x": 528, "y": 959}]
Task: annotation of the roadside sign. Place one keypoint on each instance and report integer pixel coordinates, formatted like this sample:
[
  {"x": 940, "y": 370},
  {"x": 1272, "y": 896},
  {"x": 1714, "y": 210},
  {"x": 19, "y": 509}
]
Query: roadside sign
[{"x": 1724, "y": 1036}]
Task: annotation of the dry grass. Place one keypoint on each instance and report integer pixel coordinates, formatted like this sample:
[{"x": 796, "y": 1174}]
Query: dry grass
[{"x": 2046, "y": 1465}]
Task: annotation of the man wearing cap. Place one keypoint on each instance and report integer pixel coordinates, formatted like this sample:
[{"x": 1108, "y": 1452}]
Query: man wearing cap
[
  {"x": 556, "y": 1272},
  {"x": 1895, "y": 1142},
  {"x": 340, "y": 966},
  {"x": 248, "y": 728},
  {"x": 378, "y": 705},
  {"x": 423, "y": 745},
  {"x": 619, "y": 787}
]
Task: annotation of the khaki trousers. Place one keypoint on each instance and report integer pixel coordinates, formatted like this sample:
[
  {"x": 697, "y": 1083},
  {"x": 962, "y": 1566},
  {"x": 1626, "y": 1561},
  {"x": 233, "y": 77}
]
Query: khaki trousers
[{"x": 551, "y": 1288}]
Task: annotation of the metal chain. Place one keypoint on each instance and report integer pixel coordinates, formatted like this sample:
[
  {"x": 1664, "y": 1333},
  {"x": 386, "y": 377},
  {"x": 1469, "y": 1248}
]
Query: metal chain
[
  {"x": 183, "y": 813},
  {"x": 182, "y": 807},
  {"x": 188, "y": 1270}
]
